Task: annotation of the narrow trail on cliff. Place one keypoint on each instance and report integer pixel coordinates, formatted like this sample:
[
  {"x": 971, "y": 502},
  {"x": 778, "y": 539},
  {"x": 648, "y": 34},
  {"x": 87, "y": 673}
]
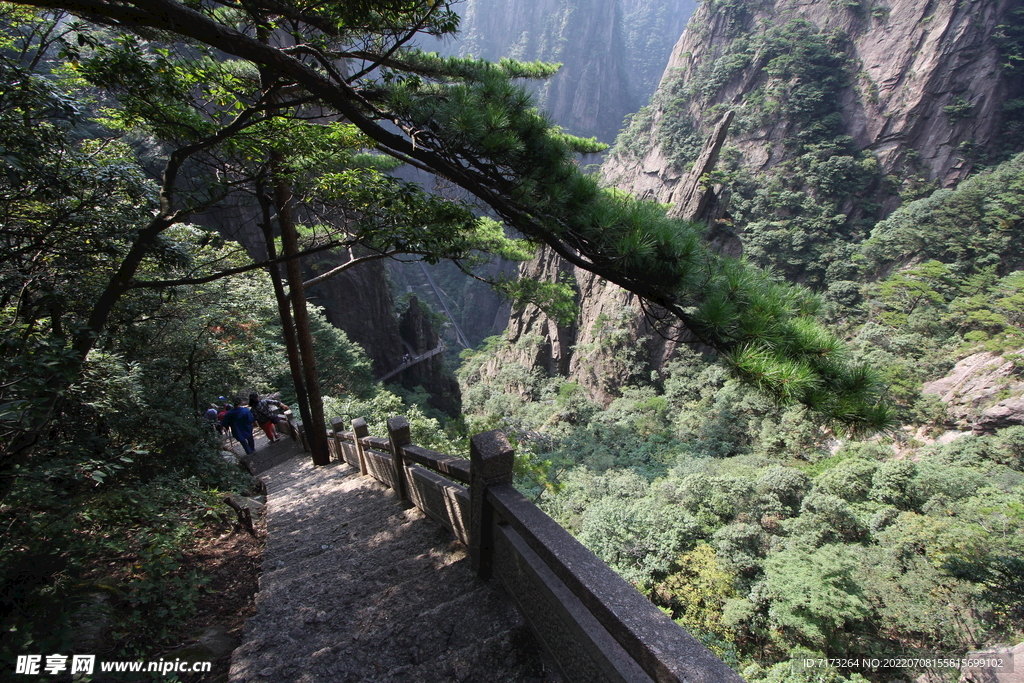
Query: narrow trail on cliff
[
  {"x": 417, "y": 359},
  {"x": 459, "y": 336}
]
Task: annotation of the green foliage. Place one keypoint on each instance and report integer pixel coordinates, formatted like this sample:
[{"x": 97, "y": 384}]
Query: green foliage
[
  {"x": 1003, "y": 580},
  {"x": 381, "y": 405},
  {"x": 926, "y": 284},
  {"x": 758, "y": 539},
  {"x": 799, "y": 217},
  {"x": 1009, "y": 37},
  {"x": 815, "y": 596},
  {"x": 849, "y": 480},
  {"x": 122, "y": 474},
  {"x": 342, "y": 365},
  {"x": 118, "y": 548},
  {"x": 690, "y": 480},
  {"x": 115, "y": 476},
  {"x": 736, "y": 12},
  {"x": 556, "y": 299},
  {"x": 955, "y": 292},
  {"x": 792, "y": 540},
  {"x": 638, "y": 538},
  {"x": 936, "y": 227},
  {"x": 633, "y": 142},
  {"x": 696, "y": 593},
  {"x": 959, "y": 110}
]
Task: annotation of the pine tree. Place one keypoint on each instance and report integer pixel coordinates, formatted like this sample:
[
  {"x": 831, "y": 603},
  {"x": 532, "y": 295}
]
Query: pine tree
[{"x": 469, "y": 121}]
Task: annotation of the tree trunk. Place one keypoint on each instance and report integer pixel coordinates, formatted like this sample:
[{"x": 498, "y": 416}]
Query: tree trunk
[
  {"x": 316, "y": 433},
  {"x": 291, "y": 343}
]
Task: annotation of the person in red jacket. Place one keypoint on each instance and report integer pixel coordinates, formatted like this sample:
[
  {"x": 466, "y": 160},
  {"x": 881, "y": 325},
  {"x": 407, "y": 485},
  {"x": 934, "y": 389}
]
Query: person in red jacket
[
  {"x": 263, "y": 411},
  {"x": 221, "y": 412}
]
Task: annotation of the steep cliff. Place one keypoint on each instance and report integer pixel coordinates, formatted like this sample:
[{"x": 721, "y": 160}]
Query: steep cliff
[
  {"x": 612, "y": 344},
  {"x": 612, "y": 52},
  {"x": 842, "y": 111},
  {"x": 357, "y": 301},
  {"x": 476, "y": 309},
  {"x": 918, "y": 83},
  {"x": 615, "y": 341},
  {"x": 419, "y": 332}
]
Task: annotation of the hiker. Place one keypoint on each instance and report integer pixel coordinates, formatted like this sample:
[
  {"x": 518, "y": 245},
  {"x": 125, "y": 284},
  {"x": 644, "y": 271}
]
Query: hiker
[
  {"x": 239, "y": 419},
  {"x": 213, "y": 418},
  {"x": 221, "y": 412},
  {"x": 263, "y": 411}
]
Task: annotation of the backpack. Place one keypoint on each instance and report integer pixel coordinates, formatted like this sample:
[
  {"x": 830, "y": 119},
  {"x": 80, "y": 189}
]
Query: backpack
[{"x": 262, "y": 412}]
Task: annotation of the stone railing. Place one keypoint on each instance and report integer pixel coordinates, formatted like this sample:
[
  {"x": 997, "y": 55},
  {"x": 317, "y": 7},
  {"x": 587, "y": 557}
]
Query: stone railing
[
  {"x": 595, "y": 626},
  {"x": 288, "y": 425}
]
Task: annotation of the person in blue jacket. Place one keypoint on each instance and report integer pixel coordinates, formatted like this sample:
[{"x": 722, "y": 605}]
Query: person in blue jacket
[{"x": 240, "y": 420}]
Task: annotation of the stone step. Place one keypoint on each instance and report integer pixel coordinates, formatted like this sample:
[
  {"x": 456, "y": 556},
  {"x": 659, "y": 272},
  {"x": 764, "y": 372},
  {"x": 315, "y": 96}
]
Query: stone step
[
  {"x": 510, "y": 656},
  {"x": 357, "y": 587},
  {"x": 271, "y": 455}
]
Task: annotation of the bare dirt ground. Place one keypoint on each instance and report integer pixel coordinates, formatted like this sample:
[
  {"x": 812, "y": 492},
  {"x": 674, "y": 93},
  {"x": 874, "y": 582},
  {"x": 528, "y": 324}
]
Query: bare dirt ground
[{"x": 232, "y": 563}]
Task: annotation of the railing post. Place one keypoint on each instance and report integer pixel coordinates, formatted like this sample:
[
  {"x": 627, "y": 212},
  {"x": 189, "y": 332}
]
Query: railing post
[
  {"x": 360, "y": 431},
  {"x": 491, "y": 462},
  {"x": 300, "y": 431},
  {"x": 398, "y": 433},
  {"x": 338, "y": 426},
  {"x": 289, "y": 419}
]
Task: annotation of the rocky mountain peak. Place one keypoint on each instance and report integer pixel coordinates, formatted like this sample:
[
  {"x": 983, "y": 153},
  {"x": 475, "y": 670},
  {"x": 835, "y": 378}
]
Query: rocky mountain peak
[{"x": 923, "y": 86}]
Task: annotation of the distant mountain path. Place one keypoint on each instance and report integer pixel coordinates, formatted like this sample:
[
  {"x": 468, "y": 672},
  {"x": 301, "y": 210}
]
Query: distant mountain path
[
  {"x": 459, "y": 337},
  {"x": 416, "y": 359},
  {"x": 358, "y": 587}
]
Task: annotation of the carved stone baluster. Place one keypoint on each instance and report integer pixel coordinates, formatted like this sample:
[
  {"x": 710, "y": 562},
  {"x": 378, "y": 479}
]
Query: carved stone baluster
[
  {"x": 491, "y": 461},
  {"x": 361, "y": 431},
  {"x": 398, "y": 433}
]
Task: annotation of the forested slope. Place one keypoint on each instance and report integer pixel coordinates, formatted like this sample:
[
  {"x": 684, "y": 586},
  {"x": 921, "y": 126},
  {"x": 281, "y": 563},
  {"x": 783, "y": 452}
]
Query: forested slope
[
  {"x": 872, "y": 157},
  {"x": 773, "y": 538}
]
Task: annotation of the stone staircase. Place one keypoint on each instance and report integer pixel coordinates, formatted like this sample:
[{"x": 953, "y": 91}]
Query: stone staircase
[{"x": 357, "y": 587}]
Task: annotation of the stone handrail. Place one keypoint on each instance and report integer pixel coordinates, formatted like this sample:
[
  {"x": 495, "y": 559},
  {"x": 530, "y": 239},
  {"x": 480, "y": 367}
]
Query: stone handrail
[{"x": 595, "y": 626}]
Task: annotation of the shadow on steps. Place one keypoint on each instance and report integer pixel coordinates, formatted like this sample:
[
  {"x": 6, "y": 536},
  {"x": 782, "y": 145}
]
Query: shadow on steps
[{"x": 269, "y": 455}]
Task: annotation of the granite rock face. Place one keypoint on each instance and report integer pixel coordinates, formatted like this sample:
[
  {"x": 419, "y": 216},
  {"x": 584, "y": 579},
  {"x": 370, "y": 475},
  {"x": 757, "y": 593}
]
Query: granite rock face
[
  {"x": 420, "y": 336},
  {"x": 926, "y": 91},
  {"x": 612, "y": 52},
  {"x": 984, "y": 392},
  {"x": 925, "y": 86},
  {"x": 359, "y": 302}
]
